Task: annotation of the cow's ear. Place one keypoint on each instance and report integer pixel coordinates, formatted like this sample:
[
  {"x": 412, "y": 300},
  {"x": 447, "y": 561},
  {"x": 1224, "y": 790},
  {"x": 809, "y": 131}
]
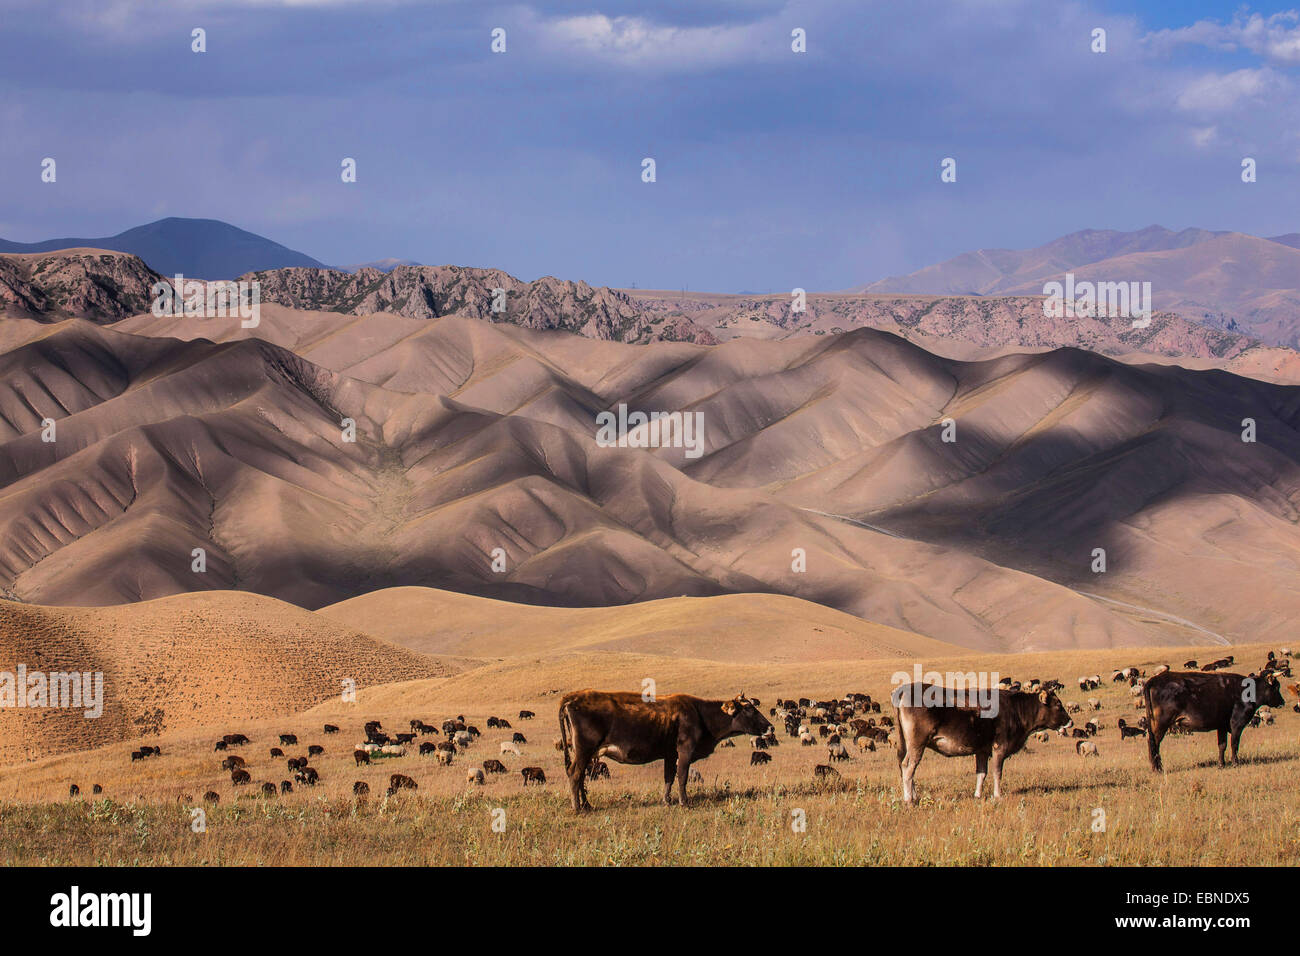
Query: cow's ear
[
  {"x": 729, "y": 707},
  {"x": 1044, "y": 695}
]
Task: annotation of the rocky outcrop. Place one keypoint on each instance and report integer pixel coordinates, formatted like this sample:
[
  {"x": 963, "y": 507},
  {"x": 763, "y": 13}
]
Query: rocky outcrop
[
  {"x": 85, "y": 283},
  {"x": 428, "y": 292}
]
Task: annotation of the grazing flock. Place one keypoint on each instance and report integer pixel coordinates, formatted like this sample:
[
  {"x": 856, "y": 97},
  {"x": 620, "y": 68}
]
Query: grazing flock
[{"x": 680, "y": 730}]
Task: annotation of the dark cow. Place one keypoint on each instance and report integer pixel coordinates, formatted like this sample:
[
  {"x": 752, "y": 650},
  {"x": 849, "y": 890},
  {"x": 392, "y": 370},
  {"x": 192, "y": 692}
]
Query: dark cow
[
  {"x": 404, "y": 738},
  {"x": 533, "y": 775},
  {"x": 138, "y": 755},
  {"x": 238, "y": 777},
  {"x": 519, "y": 738},
  {"x": 494, "y": 766},
  {"x": 235, "y": 740},
  {"x": 289, "y": 740},
  {"x": 599, "y": 770},
  {"x": 1125, "y": 731},
  {"x": 400, "y": 781},
  {"x": 360, "y": 788},
  {"x": 1224, "y": 703},
  {"x": 268, "y": 789},
  {"x": 221, "y": 745},
  {"x": 232, "y": 763},
  {"x": 526, "y": 715},
  {"x": 331, "y": 729},
  {"x": 73, "y": 790},
  {"x": 307, "y": 776},
  {"x": 96, "y": 789},
  {"x": 759, "y": 757},
  {"x": 937, "y": 718},
  {"x": 212, "y": 796},
  {"x": 286, "y": 786},
  {"x": 677, "y": 729},
  {"x": 315, "y": 750},
  {"x": 493, "y": 722},
  {"x": 825, "y": 772},
  {"x": 360, "y": 756},
  {"x": 427, "y": 748},
  {"x": 276, "y": 753}
]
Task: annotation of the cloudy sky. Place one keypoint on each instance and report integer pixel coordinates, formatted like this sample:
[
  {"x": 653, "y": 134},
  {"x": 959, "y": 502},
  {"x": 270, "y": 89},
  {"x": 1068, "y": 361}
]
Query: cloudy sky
[{"x": 774, "y": 169}]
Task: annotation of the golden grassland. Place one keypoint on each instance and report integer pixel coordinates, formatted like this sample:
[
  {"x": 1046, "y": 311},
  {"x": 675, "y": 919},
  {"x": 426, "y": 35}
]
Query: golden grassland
[{"x": 1053, "y": 800}]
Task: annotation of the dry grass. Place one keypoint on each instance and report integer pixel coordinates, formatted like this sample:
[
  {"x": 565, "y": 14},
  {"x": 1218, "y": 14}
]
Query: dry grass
[{"x": 1193, "y": 814}]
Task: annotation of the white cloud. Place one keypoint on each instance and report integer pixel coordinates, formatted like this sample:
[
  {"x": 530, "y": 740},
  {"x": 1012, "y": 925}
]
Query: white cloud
[
  {"x": 1275, "y": 38},
  {"x": 1219, "y": 92},
  {"x": 637, "y": 42}
]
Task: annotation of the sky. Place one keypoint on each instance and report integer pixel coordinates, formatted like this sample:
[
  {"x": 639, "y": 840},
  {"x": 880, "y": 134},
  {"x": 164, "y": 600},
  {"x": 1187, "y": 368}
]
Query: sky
[{"x": 774, "y": 169}]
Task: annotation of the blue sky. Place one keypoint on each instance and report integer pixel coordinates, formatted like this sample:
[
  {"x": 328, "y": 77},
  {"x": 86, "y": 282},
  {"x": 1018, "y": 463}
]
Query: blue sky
[{"x": 774, "y": 169}]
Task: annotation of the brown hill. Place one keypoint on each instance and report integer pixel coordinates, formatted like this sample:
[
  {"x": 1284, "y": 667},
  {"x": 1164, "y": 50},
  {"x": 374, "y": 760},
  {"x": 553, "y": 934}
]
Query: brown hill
[
  {"x": 733, "y": 628},
  {"x": 185, "y": 662},
  {"x": 476, "y": 439}
]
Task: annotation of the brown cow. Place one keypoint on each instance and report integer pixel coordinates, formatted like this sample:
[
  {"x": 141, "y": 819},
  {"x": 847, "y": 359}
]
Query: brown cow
[
  {"x": 1193, "y": 700},
  {"x": 533, "y": 775},
  {"x": 929, "y": 717},
  {"x": 677, "y": 729}
]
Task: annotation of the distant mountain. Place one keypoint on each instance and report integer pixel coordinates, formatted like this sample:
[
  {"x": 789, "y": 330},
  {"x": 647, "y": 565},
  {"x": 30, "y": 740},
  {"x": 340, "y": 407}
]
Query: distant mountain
[
  {"x": 196, "y": 248},
  {"x": 382, "y": 265},
  {"x": 1226, "y": 279}
]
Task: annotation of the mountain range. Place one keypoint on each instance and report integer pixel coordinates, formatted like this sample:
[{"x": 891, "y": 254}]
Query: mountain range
[
  {"x": 1226, "y": 279},
  {"x": 476, "y": 467},
  {"x": 195, "y": 248}
]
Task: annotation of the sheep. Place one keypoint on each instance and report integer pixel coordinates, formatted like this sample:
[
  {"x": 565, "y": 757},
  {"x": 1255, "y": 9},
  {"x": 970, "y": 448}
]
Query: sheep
[
  {"x": 509, "y": 748},
  {"x": 1086, "y": 748},
  {"x": 474, "y": 776}
]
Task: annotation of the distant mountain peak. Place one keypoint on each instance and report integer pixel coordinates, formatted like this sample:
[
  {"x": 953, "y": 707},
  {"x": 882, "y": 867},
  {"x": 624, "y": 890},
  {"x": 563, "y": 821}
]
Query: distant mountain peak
[{"x": 196, "y": 248}]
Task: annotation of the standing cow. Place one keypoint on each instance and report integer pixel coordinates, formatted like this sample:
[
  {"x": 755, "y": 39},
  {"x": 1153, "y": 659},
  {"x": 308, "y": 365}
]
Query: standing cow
[
  {"x": 677, "y": 729},
  {"x": 949, "y": 722},
  {"x": 1205, "y": 701}
]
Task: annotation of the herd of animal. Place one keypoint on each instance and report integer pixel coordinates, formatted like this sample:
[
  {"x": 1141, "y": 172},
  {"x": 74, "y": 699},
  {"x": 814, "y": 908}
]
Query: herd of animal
[{"x": 681, "y": 729}]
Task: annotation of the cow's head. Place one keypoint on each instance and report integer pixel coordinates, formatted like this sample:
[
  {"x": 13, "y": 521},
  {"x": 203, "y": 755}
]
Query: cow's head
[
  {"x": 745, "y": 717},
  {"x": 1270, "y": 693},
  {"x": 1054, "y": 714}
]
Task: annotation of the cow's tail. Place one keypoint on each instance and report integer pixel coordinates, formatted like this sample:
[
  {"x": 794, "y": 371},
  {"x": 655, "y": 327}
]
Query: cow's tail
[{"x": 565, "y": 726}]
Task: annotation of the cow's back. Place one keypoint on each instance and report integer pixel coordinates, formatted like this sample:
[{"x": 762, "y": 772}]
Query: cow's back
[
  {"x": 1204, "y": 699},
  {"x": 633, "y": 728}
]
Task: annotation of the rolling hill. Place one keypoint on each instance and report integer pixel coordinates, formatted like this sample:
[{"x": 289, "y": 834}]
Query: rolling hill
[{"x": 823, "y": 476}]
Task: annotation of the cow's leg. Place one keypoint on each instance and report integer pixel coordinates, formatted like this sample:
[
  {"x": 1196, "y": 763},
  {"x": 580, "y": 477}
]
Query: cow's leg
[
  {"x": 998, "y": 759},
  {"x": 578, "y": 775},
  {"x": 981, "y": 770},
  {"x": 683, "y": 771},
  {"x": 1155, "y": 734},
  {"x": 670, "y": 774},
  {"x": 910, "y": 761},
  {"x": 1223, "y": 745},
  {"x": 1236, "y": 739}
]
